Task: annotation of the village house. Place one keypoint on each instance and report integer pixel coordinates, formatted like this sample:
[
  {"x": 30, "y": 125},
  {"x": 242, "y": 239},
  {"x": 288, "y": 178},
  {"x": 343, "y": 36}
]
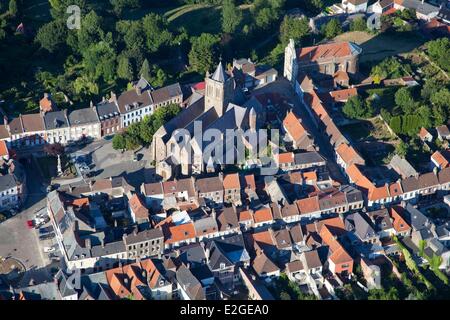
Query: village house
[
  {"x": 251, "y": 75},
  {"x": 109, "y": 117},
  {"x": 84, "y": 123},
  {"x": 27, "y": 130},
  {"x": 57, "y": 127}
]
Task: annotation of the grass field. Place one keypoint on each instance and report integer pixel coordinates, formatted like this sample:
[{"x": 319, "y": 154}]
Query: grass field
[{"x": 383, "y": 45}]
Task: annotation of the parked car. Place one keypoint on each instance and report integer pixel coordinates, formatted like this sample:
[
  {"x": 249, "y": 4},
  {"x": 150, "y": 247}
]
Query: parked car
[
  {"x": 43, "y": 231},
  {"x": 54, "y": 257},
  {"x": 49, "y": 249},
  {"x": 30, "y": 224},
  {"x": 47, "y": 236}
]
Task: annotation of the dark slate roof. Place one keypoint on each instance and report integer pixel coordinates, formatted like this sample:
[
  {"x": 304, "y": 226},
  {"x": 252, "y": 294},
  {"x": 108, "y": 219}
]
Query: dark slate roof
[
  {"x": 359, "y": 224},
  {"x": 219, "y": 75},
  {"x": 381, "y": 219},
  {"x": 56, "y": 120},
  {"x": 352, "y": 194},
  {"x": 133, "y": 100},
  {"x": 190, "y": 284},
  {"x": 230, "y": 251},
  {"x": 151, "y": 234},
  {"x": 64, "y": 287},
  {"x": 83, "y": 116},
  {"x": 107, "y": 110},
  {"x": 193, "y": 255},
  {"x": 166, "y": 93},
  {"x": 308, "y": 157},
  {"x": 7, "y": 182},
  {"x": 414, "y": 217}
]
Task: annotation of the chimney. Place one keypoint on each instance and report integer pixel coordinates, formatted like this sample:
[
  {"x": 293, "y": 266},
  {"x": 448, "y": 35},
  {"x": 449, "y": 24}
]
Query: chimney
[
  {"x": 92, "y": 104},
  {"x": 113, "y": 97},
  {"x": 87, "y": 243},
  {"x": 5, "y": 120},
  {"x": 138, "y": 90}
]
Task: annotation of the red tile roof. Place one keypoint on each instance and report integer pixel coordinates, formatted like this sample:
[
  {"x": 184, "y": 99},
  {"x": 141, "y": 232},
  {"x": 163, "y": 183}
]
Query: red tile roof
[
  {"x": 439, "y": 158},
  {"x": 324, "y": 51},
  {"x": 308, "y": 205},
  {"x": 344, "y": 94},
  {"x": 3, "y": 149},
  {"x": 262, "y": 215},
  {"x": 293, "y": 126},
  {"x": 349, "y": 154},
  {"x": 286, "y": 157},
  {"x": 231, "y": 181}
]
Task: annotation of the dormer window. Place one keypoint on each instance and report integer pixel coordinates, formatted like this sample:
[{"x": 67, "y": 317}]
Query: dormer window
[{"x": 222, "y": 266}]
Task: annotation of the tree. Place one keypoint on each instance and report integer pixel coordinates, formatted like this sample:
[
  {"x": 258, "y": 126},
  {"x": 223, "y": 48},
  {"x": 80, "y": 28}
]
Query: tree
[
  {"x": 356, "y": 108},
  {"x": 156, "y": 32},
  {"x": 401, "y": 149},
  {"x": 160, "y": 77},
  {"x": 315, "y": 6},
  {"x": 118, "y": 142},
  {"x": 293, "y": 28},
  {"x": 266, "y": 13},
  {"x": 131, "y": 32},
  {"x": 203, "y": 52},
  {"x": 231, "y": 16},
  {"x": 124, "y": 69},
  {"x": 54, "y": 149},
  {"x": 99, "y": 60},
  {"x": 285, "y": 296},
  {"x": 89, "y": 34},
  {"x": 439, "y": 51},
  {"x": 381, "y": 294},
  {"x": 120, "y": 5},
  {"x": 441, "y": 98},
  {"x": 405, "y": 100},
  {"x": 332, "y": 29},
  {"x": 358, "y": 24},
  {"x": 145, "y": 70},
  {"x": 388, "y": 68},
  {"x": 58, "y": 8},
  {"x": 13, "y": 8},
  {"x": 52, "y": 35}
]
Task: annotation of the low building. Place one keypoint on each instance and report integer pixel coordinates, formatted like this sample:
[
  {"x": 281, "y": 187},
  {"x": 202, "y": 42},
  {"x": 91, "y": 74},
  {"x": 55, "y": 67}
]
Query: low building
[{"x": 353, "y": 6}]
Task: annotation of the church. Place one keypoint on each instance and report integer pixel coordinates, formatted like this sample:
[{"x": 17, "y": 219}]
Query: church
[{"x": 221, "y": 106}]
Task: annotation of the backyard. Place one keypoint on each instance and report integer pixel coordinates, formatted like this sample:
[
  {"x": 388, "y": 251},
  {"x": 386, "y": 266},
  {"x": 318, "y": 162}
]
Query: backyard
[
  {"x": 376, "y": 47},
  {"x": 373, "y": 138}
]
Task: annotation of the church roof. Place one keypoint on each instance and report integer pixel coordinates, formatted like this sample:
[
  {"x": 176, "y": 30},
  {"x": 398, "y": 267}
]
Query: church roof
[{"x": 219, "y": 74}]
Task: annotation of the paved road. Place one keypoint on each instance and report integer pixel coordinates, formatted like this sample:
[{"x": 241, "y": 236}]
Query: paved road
[
  {"x": 283, "y": 87},
  {"x": 18, "y": 241}
]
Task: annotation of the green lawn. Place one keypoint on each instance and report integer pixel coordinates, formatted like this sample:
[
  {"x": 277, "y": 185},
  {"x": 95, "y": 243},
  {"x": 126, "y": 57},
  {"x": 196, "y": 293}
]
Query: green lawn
[
  {"x": 197, "y": 19},
  {"x": 376, "y": 47}
]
